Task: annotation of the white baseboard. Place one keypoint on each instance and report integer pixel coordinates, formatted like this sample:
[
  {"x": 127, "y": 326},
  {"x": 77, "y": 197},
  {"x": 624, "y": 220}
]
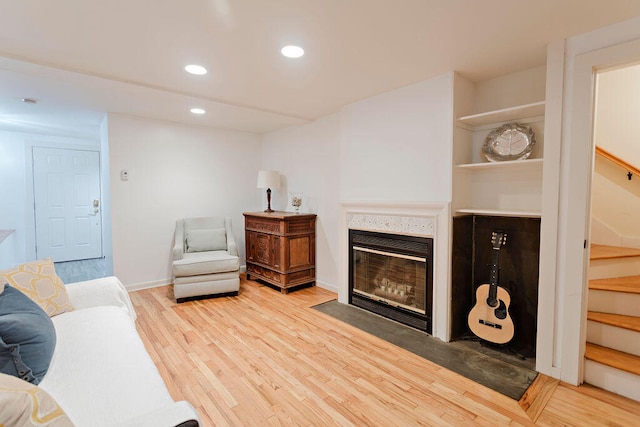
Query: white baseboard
[
  {"x": 148, "y": 285},
  {"x": 618, "y": 267},
  {"x": 614, "y": 302},
  {"x": 243, "y": 269},
  {"x": 327, "y": 286},
  {"x": 163, "y": 282},
  {"x": 320, "y": 284},
  {"x": 621, "y": 339},
  {"x": 612, "y": 379}
]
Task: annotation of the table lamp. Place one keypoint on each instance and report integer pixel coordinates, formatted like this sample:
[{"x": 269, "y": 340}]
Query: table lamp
[{"x": 268, "y": 180}]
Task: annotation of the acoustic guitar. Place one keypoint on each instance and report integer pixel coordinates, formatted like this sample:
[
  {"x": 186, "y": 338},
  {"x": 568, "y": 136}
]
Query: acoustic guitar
[{"x": 489, "y": 319}]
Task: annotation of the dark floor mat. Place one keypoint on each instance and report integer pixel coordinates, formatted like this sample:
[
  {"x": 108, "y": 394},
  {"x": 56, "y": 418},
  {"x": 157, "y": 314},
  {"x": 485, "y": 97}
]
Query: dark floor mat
[{"x": 506, "y": 374}]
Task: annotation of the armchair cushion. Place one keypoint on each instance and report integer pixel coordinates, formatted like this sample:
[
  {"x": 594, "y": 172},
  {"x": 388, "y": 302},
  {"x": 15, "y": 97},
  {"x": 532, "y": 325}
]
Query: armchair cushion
[
  {"x": 196, "y": 263},
  {"x": 207, "y": 239}
]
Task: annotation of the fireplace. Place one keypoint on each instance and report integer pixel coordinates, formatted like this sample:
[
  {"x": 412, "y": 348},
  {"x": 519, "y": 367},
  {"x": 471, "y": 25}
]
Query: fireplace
[{"x": 392, "y": 275}]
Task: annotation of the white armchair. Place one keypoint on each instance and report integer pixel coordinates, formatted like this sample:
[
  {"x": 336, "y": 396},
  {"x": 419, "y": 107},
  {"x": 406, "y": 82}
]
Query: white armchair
[{"x": 205, "y": 259}]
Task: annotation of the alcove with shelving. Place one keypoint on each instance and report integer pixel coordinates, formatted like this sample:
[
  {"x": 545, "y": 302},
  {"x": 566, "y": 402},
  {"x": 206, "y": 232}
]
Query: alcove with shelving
[
  {"x": 508, "y": 188},
  {"x": 501, "y": 194}
]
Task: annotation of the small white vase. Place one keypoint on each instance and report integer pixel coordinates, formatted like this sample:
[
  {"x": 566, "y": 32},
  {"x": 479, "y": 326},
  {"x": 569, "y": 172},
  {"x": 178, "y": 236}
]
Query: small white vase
[{"x": 296, "y": 200}]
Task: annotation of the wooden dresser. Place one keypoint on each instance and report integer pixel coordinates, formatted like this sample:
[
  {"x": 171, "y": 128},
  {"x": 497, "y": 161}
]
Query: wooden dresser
[{"x": 281, "y": 248}]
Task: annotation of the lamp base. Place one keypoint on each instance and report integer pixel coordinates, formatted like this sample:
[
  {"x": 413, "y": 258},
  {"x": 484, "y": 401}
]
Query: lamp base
[{"x": 269, "y": 201}]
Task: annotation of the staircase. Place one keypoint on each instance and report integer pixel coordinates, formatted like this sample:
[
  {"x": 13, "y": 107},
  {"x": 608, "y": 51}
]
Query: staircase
[{"x": 612, "y": 355}]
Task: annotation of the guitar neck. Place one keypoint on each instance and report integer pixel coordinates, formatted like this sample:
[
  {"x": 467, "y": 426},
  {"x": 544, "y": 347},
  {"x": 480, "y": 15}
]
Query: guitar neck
[{"x": 493, "y": 277}]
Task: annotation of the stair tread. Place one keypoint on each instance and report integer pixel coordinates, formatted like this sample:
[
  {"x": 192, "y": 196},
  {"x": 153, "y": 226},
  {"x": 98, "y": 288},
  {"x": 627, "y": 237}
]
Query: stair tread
[
  {"x": 629, "y": 284},
  {"x": 619, "y": 320},
  {"x": 614, "y": 358},
  {"x": 611, "y": 252}
]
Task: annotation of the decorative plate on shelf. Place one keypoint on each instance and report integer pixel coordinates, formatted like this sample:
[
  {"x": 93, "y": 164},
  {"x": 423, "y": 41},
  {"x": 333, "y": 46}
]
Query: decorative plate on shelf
[{"x": 511, "y": 141}]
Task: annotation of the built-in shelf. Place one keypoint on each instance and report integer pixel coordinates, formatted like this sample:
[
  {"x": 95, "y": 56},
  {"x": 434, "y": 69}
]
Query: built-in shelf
[
  {"x": 503, "y": 166},
  {"x": 504, "y": 115},
  {"x": 500, "y": 212}
]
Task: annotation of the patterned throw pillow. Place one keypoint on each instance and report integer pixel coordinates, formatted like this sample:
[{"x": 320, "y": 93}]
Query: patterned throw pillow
[
  {"x": 39, "y": 281},
  {"x": 24, "y": 404}
]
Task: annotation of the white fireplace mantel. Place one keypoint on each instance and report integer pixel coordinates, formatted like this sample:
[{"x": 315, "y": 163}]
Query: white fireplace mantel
[
  {"x": 410, "y": 218},
  {"x": 409, "y": 225}
]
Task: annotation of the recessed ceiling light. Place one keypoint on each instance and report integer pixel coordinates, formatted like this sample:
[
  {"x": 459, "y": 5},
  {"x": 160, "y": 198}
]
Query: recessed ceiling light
[
  {"x": 292, "y": 51},
  {"x": 197, "y": 111},
  {"x": 198, "y": 70}
]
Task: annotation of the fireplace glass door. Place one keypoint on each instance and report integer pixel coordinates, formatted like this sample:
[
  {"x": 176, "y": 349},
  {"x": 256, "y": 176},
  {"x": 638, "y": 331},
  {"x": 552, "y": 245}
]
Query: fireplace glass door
[{"x": 394, "y": 279}]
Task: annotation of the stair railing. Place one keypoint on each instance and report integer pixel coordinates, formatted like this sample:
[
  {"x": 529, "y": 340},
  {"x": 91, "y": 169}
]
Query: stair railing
[{"x": 631, "y": 170}]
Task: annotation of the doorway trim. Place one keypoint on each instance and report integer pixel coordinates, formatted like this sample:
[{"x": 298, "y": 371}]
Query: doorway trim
[
  {"x": 575, "y": 198},
  {"x": 30, "y": 219}
]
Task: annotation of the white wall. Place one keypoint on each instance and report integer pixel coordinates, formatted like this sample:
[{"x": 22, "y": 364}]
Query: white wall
[
  {"x": 617, "y": 112},
  {"x": 397, "y": 146},
  {"x": 7, "y": 251},
  {"x": 615, "y": 199},
  {"x": 105, "y": 182},
  {"x": 519, "y": 88},
  {"x": 13, "y": 191},
  {"x": 394, "y": 147},
  {"x": 175, "y": 171},
  {"x": 308, "y": 158}
]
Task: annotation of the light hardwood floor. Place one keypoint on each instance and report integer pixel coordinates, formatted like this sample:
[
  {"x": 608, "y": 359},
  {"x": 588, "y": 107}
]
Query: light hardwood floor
[{"x": 264, "y": 358}]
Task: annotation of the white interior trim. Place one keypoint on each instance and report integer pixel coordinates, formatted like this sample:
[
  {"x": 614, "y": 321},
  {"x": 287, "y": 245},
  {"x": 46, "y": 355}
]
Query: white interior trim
[
  {"x": 575, "y": 187},
  {"x": 420, "y": 219},
  {"x": 547, "y": 340}
]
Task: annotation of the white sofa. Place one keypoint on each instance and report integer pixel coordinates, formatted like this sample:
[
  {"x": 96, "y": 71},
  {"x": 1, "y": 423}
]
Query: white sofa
[{"x": 100, "y": 373}]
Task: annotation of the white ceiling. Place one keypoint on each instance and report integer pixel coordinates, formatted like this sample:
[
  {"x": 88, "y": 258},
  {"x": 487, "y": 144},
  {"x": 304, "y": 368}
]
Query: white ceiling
[{"x": 82, "y": 58}]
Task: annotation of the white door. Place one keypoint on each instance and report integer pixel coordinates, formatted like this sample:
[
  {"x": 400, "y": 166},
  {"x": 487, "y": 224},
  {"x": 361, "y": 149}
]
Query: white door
[{"x": 67, "y": 203}]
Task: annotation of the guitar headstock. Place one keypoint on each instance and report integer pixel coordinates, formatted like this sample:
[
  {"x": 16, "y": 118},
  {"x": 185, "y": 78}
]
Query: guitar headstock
[{"x": 498, "y": 239}]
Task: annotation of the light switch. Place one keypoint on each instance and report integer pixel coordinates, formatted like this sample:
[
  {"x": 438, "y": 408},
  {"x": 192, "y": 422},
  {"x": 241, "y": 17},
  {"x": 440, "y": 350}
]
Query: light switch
[{"x": 124, "y": 175}]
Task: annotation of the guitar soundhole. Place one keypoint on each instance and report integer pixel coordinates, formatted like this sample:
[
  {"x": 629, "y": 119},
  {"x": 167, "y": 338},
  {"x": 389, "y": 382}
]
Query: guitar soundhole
[
  {"x": 492, "y": 303},
  {"x": 501, "y": 311}
]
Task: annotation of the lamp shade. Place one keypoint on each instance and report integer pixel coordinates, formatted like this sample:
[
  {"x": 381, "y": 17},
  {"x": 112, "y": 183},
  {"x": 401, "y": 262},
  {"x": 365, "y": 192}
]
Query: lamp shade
[{"x": 268, "y": 179}]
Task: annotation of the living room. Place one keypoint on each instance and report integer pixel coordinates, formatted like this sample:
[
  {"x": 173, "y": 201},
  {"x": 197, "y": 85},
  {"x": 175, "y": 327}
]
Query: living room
[{"x": 388, "y": 151}]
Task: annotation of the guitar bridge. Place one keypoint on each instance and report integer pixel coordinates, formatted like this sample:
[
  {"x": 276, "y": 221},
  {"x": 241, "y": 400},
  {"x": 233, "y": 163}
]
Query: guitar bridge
[{"x": 491, "y": 324}]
